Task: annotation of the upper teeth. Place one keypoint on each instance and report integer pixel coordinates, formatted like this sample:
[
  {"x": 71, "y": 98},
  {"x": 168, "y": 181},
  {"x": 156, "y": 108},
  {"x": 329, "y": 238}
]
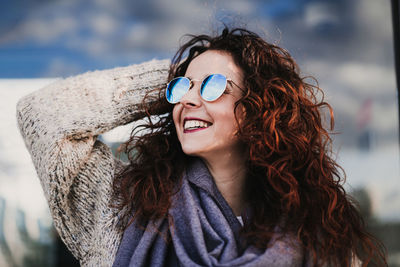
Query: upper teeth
[{"x": 195, "y": 124}]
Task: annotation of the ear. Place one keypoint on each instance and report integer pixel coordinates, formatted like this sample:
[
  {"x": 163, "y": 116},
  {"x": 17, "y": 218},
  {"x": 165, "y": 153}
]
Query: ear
[{"x": 240, "y": 113}]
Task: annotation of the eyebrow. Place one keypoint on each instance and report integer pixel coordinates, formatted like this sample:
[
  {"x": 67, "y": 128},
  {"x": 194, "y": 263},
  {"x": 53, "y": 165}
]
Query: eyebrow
[{"x": 206, "y": 75}]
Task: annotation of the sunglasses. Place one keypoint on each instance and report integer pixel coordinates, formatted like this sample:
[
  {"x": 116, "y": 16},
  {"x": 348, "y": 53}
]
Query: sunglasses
[{"x": 212, "y": 87}]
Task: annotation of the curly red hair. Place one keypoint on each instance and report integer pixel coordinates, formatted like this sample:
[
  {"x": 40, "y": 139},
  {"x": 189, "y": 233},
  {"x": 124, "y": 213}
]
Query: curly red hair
[{"x": 293, "y": 181}]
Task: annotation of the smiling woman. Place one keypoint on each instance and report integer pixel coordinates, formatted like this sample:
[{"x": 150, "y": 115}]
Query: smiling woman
[
  {"x": 216, "y": 142},
  {"x": 219, "y": 137},
  {"x": 234, "y": 172}
]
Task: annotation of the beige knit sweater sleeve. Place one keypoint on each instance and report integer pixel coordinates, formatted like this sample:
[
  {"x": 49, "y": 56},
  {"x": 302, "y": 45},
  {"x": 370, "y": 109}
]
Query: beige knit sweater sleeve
[{"x": 59, "y": 124}]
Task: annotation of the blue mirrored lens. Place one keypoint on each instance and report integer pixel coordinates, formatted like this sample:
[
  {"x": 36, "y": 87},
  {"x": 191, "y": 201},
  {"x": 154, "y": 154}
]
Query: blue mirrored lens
[
  {"x": 213, "y": 87},
  {"x": 176, "y": 89}
]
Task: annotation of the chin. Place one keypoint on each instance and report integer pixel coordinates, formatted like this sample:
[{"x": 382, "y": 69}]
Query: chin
[{"x": 190, "y": 152}]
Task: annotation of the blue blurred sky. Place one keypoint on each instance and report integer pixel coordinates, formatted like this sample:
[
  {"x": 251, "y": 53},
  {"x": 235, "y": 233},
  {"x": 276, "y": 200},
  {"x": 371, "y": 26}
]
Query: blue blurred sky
[{"x": 50, "y": 38}]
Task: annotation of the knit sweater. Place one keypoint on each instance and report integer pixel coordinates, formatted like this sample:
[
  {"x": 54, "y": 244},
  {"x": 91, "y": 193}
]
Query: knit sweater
[{"x": 60, "y": 124}]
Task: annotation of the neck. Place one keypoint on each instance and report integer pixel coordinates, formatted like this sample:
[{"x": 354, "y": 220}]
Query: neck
[{"x": 229, "y": 173}]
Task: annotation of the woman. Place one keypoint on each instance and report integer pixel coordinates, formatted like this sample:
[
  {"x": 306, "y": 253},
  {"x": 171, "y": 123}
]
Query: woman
[{"x": 234, "y": 170}]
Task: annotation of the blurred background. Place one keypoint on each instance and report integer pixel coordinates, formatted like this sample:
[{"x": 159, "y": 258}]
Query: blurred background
[{"x": 346, "y": 44}]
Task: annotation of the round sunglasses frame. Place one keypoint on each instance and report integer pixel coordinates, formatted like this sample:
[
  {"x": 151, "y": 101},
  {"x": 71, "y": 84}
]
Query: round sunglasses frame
[{"x": 168, "y": 91}]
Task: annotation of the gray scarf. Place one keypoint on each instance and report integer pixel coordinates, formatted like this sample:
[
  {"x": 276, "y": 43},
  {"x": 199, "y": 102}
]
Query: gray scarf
[{"x": 204, "y": 232}]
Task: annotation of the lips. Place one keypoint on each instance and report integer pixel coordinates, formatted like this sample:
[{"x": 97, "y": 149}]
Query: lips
[{"x": 194, "y": 124}]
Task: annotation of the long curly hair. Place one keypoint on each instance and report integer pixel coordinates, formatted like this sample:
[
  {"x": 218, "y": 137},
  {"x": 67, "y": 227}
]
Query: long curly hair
[{"x": 292, "y": 182}]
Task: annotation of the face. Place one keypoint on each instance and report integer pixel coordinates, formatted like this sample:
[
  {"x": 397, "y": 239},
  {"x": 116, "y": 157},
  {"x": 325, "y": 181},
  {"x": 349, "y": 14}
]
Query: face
[{"x": 216, "y": 135}]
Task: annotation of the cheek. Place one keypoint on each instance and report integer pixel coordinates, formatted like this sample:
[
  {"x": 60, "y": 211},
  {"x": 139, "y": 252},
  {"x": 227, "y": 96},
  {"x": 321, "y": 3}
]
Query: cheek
[
  {"x": 228, "y": 122},
  {"x": 175, "y": 115}
]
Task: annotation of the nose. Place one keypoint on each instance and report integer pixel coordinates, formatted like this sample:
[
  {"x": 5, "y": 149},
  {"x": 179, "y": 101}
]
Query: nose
[{"x": 192, "y": 97}]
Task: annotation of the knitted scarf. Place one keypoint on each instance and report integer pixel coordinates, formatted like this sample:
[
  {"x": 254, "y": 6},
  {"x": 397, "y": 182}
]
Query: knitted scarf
[{"x": 201, "y": 230}]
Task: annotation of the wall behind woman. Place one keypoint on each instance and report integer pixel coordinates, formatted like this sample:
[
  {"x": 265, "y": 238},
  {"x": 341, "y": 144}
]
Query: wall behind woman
[{"x": 346, "y": 45}]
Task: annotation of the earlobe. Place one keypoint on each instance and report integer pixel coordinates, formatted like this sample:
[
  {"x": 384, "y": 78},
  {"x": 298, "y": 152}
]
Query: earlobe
[
  {"x": 240, "y": 113},
  {"x": 243, "y": 109}
]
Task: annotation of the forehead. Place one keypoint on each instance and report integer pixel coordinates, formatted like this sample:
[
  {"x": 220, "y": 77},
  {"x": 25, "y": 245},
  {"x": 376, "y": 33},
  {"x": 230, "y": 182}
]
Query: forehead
[{"x": 213, "y": 61}]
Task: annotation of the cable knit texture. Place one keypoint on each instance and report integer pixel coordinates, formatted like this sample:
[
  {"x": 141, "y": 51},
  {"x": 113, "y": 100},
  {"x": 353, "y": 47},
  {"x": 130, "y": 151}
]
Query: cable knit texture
[{"x": 60, "y": 124}]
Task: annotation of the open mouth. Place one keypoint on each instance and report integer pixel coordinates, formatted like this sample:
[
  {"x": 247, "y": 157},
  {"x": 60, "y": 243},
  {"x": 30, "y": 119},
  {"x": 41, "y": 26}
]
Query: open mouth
[{"x": 191, "y": 125}]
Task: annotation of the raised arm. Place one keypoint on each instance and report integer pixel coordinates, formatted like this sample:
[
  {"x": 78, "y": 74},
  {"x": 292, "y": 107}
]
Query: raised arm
[{"x": 60, "y": 124}]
